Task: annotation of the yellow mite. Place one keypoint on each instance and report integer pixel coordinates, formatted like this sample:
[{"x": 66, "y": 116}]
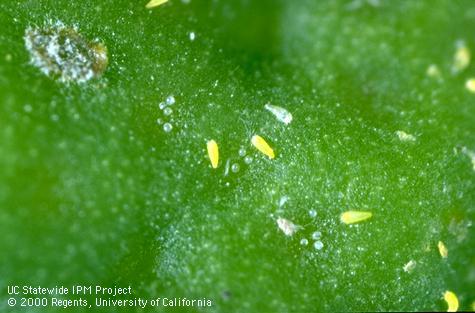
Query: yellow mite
[
  {"x": 470, "y": 85},
  {"x": 461, "y": 58},
  {"x": 444, "y": 252},
  {"x": 452, "y": 301},
  {"x": 213, "y": 153},
  {"x": 155, "y": 3},
  {"x": 351, "y": 217},
  {"x": 262, "y": 145},
  {"x": 433, "y": 71}
]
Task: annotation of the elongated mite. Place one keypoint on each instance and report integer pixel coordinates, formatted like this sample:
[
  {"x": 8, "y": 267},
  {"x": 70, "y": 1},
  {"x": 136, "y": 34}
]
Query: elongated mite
[
  {"x": 351, "y": 217},
  {"x": 444, "y": 252},
  {"x": 154, "y": 3},
  {"x": 452, "y": 301},
  {"x": 262, "y": 145},
  {"x": 213, "y": 153}
]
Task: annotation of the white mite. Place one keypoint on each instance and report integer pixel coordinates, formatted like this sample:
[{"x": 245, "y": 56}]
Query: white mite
[
  {"x": 409, "y": 266},
  {"x": 286, "y": 226},
  {"x": 470, "y": 154},
  {"x": 403, "y": 136},
  {"x": 280, "y": 113},
  {"x": 283, "y": 200},
  {"x": 226, "y": 167}
]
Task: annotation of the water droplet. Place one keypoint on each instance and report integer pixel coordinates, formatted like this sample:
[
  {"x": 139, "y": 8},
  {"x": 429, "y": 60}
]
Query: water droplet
[
  {"x": 170, "y": 100},
  {"x": 162, "y": 105},
  {"x": 235, "y": 168},
  {"x": 312, "y": 213},
  {"x": 167, "y": 111},
  {"x": 242, "y": 152},
  {"x": 192, "y": 36},
  {"x": 316, "y": 235},
  {"x": 167, "y": 127},
  {"x": 318, "y": 245},
  {"x": 159, "y": 121},
  {"x": 304, "y": 242},
  {"x": 248, "y": 160}
]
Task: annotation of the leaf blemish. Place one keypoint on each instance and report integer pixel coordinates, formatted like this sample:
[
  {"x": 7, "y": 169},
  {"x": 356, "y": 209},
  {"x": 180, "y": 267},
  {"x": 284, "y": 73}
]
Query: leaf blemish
[{"x": 62, "y": 52}]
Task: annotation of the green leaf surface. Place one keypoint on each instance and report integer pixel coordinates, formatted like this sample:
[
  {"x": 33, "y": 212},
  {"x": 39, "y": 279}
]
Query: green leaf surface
[{"x": 94, "y": 191}]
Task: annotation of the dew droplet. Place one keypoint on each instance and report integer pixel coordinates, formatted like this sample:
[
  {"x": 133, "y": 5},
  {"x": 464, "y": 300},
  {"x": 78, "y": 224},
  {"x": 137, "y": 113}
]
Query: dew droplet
[
  {"x": 312, "y": 213},
  {"x": 162, "y": 105},
  {"x": 159, "y": 121},
  {"x": 248, "y": 160},
  {"x": 235, "y": 168},
  {"x": 304, "y": 242},
  {"x": 170, "y": 100},
  {"x": 192, "y": 36},
  {"x": 318, "y": 245},
  {"x": 316, "y": 235},
  {"x": 167, "y": 127},
  {"x": 242, "y": 152},
  {"x": 167, "y": 111}
]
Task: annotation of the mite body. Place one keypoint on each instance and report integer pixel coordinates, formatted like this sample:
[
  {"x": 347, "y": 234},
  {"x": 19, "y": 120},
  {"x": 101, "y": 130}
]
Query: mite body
[
  {"x": 351, "y": 217},
  {"x": 213, "y": 153},
  {"x": 262, "y": 145}
]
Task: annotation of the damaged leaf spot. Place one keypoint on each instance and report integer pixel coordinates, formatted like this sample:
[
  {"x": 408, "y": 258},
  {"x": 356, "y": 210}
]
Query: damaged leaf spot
[{"x": 62, "y": 53}]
